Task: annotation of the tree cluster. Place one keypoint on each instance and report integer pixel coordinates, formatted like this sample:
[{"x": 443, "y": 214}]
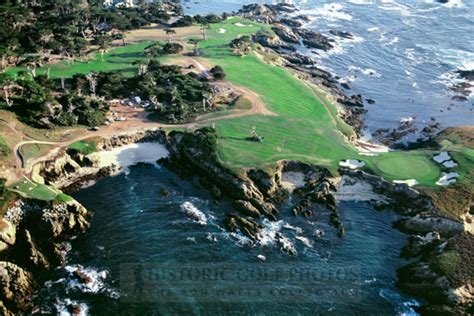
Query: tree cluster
[
  {"x": 39, "y": 102},
  {"x": 188, "y": 20},
  {"x": 67, "y": 28}
]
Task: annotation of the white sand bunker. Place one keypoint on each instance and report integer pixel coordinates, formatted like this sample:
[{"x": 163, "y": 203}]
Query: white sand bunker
[
  {"x": 292, "y": 180},
  {"x": 442, "y": 157},
  {"x": 222, "y": 31},
  {"x": 447, "y": 178},
  {"x": 242, "y": 25},
  {"x": 449, "y": 164},
  {"x": 130, "y": 155},
  {"x": 366, "y": 148},
  {"x": 409, "y": 182},
  {"x": 352, "y": 164}
]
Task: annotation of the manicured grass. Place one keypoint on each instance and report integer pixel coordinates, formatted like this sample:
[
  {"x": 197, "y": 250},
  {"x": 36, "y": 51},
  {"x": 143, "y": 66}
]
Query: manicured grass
[
  {"x": 29, "y": 189},
  {"x": 85, "y": 147},
  {"x": 406, "y": 165},
  {"x": 304, "y": 129}
]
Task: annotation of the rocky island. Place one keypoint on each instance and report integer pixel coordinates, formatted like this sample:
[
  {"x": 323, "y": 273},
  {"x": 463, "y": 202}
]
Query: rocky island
[{"x": 231, "y": 101}]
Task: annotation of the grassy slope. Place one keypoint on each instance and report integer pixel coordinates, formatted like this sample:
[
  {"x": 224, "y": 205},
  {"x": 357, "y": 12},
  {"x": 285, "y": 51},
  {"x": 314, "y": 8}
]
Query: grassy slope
[{"x": 305, "y": 129}]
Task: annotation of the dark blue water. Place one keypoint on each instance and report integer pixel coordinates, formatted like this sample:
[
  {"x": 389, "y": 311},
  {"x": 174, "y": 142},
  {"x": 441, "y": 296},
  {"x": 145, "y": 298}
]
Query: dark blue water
[
  {"x": 136, "y": 232},
  {"x": 403, "y": 56}
]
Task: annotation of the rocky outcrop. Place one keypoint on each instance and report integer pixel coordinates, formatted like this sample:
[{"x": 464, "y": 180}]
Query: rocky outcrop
[
  {"x": 286, "y": 34},
  {"x": 426, "y": 223},
  {"x": 315, "y": 40},
  {"x": 40, "y": 228},
  {"x": 16, "y": 288},
  {"x": 265, "y": 13},
  {"x": 7, "y": 234},
  {"x": 70, "y": 169}
]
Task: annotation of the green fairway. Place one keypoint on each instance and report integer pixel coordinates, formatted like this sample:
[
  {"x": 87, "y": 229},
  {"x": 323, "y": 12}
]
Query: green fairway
[
  {"x": 306, "y": 126},
  {"x": 29, "y": 189},
  {"x": 85, "y": 147}
]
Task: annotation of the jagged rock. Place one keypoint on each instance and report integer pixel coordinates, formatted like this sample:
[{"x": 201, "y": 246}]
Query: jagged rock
[
  {"x": 273, "y": 42},
  {"x": 266, "y": 183},
  {"x": 342, "y": 34},
  {"x": 64, "y": 219},
  {"x": 246, "y": 208},
  {"x": 16, "y": 287},
  {"x": 246, "y": 226},
  {"x": 286, "y": 34},
  {"x": 82, "y": 277},
  {"x": 315, "y": 39},
  {"x": 7, "y": 234},
  {"x": 291, "y": 22},
  {"x": 36, "y": 257},
  {"x": 352, "y": 101},
  {"x": 425, "y": 224}
]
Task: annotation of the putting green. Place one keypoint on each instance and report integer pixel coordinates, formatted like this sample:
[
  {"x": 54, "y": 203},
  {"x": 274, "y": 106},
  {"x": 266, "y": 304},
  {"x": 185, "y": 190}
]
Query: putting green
[{"x": 403, "y": 166}]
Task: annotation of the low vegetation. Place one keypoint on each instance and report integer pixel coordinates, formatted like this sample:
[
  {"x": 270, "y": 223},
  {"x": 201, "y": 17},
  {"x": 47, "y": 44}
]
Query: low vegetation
[
  {"x": 85, "y": 147},
  {"x": 5, "y": 150},
  {"x": 31, "y": 151}
]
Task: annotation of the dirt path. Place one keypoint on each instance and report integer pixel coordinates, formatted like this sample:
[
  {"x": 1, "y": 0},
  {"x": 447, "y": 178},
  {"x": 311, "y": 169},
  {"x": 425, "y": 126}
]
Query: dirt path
[{"x": 136, "y": 121}]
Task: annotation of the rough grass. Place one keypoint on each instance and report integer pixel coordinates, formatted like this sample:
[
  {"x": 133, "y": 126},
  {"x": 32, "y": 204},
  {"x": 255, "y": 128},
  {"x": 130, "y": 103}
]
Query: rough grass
[
  {"x": 31, "y": 151},
  {"x": 120, "y": 58},
  {"x": 447, "y": 263},
  {"x": 5, "y": 150}
]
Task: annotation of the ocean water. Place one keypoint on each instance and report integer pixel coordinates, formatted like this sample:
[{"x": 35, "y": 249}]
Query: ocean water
[
  {"x": 403, "y": 55},
  {"x": 138, "y": 232}
]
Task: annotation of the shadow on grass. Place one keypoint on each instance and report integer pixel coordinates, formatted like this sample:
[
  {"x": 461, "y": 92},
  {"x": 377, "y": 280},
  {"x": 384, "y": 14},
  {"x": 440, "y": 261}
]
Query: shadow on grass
[{"x": 127, "y": 55}]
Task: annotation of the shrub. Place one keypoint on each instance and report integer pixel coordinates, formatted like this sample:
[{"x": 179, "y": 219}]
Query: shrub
[{"x": 218, "y": 73}]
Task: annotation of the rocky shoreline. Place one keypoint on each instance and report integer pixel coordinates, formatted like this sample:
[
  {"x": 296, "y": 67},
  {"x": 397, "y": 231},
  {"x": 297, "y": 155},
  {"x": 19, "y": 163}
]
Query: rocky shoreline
[
  {"x": 26, "y": 257},
  {"x": 33, "y": 234}
]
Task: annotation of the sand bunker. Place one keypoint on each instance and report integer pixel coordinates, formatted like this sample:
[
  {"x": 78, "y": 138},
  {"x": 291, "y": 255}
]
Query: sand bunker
[
  {"x": 352, "y": 164},
  {"x": 409, "y": 182},
  {"x": 222, "y": 31},
  {"x": 242, "y": 25},
  {"x": 447, "y": 178},
  {"x": 449, "y": 164},
  {"x": 442, "y": 157}
]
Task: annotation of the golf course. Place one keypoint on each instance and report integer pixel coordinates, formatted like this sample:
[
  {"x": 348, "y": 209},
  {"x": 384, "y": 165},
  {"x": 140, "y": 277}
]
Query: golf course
[{"x": 305, "y": 126}]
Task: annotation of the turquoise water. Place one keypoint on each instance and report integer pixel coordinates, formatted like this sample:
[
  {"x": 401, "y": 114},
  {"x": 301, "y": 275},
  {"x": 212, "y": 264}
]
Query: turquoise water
[{"x": 137, "y": 228}]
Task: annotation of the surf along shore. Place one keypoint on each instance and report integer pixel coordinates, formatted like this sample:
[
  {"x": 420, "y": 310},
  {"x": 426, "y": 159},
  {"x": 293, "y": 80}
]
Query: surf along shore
[{"x": 304, "y": 133}]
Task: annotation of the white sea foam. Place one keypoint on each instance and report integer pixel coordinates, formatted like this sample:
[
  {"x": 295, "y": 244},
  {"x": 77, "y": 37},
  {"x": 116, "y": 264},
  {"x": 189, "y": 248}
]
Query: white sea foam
[
  {"x": 64, "y": 308},
  {"x": 366, "y": 71},
  {"x": 373, "y": 29},
  {"x": 93, "y": 280},
  {"x": 329, "y": 11},
  {"x": 194, "y": 213},
  {"x": 268, "y": 234},
  {"x": 308, "y": 243},
  {"x": 361, "y": 2}
]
